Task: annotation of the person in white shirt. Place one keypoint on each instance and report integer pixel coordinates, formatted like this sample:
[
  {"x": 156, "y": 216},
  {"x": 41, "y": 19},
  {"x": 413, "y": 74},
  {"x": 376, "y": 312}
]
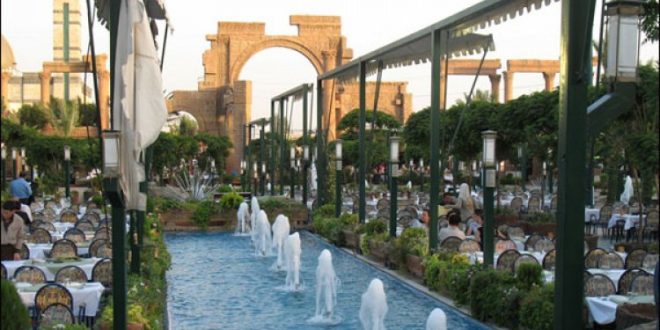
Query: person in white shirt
[{"x": 451, "y": 230}]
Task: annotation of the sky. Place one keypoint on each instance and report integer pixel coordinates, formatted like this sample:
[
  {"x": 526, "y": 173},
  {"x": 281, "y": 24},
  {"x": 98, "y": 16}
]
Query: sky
[{"x": 366, "y": 24}]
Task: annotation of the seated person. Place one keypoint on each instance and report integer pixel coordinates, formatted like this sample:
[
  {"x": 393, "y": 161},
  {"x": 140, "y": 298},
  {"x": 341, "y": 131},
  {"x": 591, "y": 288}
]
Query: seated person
[
  {"x": 423, "y": 222},
  {"x": 451, "y": 230},
  {"x": 447, "y": 199},
  {"x": 473, "y": 224}
]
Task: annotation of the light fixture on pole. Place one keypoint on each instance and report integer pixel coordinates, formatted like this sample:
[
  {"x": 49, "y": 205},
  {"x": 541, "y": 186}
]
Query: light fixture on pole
[
  {"x": 422, "y": 172},
  {"x": 292, "y": 161},
  {"x": 338, "y": 176},
  {"x": 111, "y": 150},
  {"x": 23, "y": 159},
  {"x": 67, "y": 169},
  {"x": 305, "y": 152},
  {"x": 623, "y": 34},
  {"x": 489, "y": 162},
  {"x": 13, "y": 162},
  {"x": 394, "y": 174}
]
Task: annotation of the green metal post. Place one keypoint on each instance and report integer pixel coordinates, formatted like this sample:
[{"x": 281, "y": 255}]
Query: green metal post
[
  {"x": 4, "y": 175},
  {"x": 589, "y": 192},
  {"x": 273, "y": 146},
  {"x": 550, "y": 181},
  {"x": 282, "y": 153},
  {"x": 14, "y": 168},
  {"x": 248, "y": 159},
  {"x": 320, "y": 161},
  {"x": 393, "y": 199},
  {"x": 305, "y": 143},
  {"x": 338, "y": 199},
  {"x": 438, "y": 39},
  {"x": 243, "y": 159},
  {"x": 262, "y": 151},
  {"x": 67, "y": 178},
  {"x": 292, "y": 180},
  {"x": 489, "y": 218},
  {"x": 362, "y": 156},
  {"x": 132, "y": 242},
  {"x": 575, "y": 41}
]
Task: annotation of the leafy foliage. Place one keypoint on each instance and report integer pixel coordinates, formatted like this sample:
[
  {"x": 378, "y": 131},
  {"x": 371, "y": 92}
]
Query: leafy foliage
[
  {"x": 650, "y": 20},
  {"x": 537, "y": 308},
  {"x": 230, "y": 201},
  {"x": 65, "y": 115},
  {"x": 14, "y": 313},
  {"x": 203, "y": 212},
  {"x": 529, "y": 275},
  {"x": 35, "y": 116},
  {"x": 413, "y": 241}
]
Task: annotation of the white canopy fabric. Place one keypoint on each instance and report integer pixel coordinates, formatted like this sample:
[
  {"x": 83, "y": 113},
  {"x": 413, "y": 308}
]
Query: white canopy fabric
[{"x": 139, "y": 106}]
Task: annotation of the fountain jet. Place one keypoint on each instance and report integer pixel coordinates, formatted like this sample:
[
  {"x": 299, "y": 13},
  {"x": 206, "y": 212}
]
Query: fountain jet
[
  {"x": 437, "y": 320},
  {"x": 281, "y": 230},
  {"x": 292, "y": 258},
  {"x": 243, "y": 225},
  {"x": 262, "y": 243},
  {"x": 374, "y": 306}
]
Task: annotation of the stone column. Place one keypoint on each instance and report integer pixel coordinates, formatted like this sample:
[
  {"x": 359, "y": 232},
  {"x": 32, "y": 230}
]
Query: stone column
[
  {"x": 549, "y": 78},
  {"x": 443, "y": 85},
  {"x": 508, "y": 86},
  {"x": 45, "y": 87},
  {"x": 5, "y": 85},
  {"x": 330, "y": 62},
  {"x": 495, "y": 86},
  {"x": 104, "y": 92}
]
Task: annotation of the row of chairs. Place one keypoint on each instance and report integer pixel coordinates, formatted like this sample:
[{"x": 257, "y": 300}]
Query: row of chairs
[
  {"x": 637, "y": 258},
  {"x": 633, "y": 280},
  {"x": 40, "y": 234},
  {"x": 102, "y": 272},
  {"x": 510, "y": 260},
  {"x": 64, "y": 248}
]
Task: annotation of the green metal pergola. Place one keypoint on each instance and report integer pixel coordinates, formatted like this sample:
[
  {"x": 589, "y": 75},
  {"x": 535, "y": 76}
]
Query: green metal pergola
[
  {"x": 261, "y": 161},
  {"x": 301, "y": 91},
  {"x": 453, "y": 34}
]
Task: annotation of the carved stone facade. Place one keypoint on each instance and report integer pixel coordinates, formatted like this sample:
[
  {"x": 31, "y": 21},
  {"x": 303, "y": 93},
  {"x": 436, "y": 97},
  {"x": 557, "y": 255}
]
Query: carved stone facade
[{"x": 222, "y": 104}]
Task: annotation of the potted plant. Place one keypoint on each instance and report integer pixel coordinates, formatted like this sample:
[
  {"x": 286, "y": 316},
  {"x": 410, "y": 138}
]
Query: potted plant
[
  {"x": 413, "y": 245},
  {"x": 136, "y": 320}
]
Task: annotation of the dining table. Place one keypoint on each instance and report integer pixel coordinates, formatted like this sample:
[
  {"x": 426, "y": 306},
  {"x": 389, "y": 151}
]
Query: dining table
[
  {"x": 86, "y": 294},
  {"x": 51, "y": 266}
]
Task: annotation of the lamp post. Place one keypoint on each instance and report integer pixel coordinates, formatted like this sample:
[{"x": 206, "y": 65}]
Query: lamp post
[
  {"x": 489, "y": 161},
  {"x": 550, "y": 181},
  {"x": 410, "y": 170},
  {"x": 23, "y": 159},
  {"x": 242, "y": 175},
  {"x": 111, "y": 171},
  {"x": 4, "y": 156},
  {"x": 394, "y": 174},
  {"x": 545, "y": 175},
  {"x": 622, "y": 39},
  {"x": 13, "y": 162},
  {"x": 263, "y": 179},
  {"x": 305, "y": 165},
  {"x": 338, "y": 177},
  {"x": 67, "y": 169},
  {"x": 255, "y": 177},
  {"x": 292, "y": 161}
]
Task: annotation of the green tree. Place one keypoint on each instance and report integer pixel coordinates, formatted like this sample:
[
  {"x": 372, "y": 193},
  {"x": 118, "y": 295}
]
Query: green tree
[
  {"x": 36, "y": 115},
  {"x": 88, "y": 114},
  {"x": 650, "y": 20},
  {"x": 187, "y": 127},
  {"x": 377, "y": 149},
  {"x": 64, "y": 115}
]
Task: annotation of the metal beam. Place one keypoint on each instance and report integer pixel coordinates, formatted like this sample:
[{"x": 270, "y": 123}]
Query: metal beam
[
  {"x": 438, "y": 41},
  {"x": 305, "y": 142},
  {"x": 271, "y": 165},
  {"x": 362, "y": 157},
  {"x": 608, "y": 107},
  {"x": 571, "y": 162},
  {"x": 320, "y": 170}
]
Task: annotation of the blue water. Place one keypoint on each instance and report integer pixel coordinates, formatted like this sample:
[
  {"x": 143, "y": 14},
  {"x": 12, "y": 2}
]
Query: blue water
[{"x": 216, "y": 282}]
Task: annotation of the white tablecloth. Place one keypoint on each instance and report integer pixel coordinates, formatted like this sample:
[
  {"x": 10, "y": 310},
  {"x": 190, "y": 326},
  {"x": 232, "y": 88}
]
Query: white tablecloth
[
  {"x": 602, "y": 310},
  {"x": 89, "y": 295},
  {"x": 588, "y": 212},
  {"x": 631, "y": 220},
  {"x": 38, "y": 251},
  {"x": 51, "y": 268}
]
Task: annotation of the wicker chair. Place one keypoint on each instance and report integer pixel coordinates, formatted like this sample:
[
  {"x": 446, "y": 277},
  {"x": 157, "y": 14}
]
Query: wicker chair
[
  {"x": 68, "y": 216},
  {"x": 55, "y": 314},
  {"x": 604, "y": 217},
  {"x": 598, "y": 285},
  {"x": 64, "y": 248},
  {"x": 30, "y": 274},
  {"x": 544, "y": 245},
  {"x": 591, "y": 258},
  {"x": 50, "y": 294},
  {"x": 102, "y": 272},
  {"x": 92, "y": 217},
  {"x": 49, "y": 215},
  {"x": 104, "y": 251},
  {"x": 70, "y": 273},
  {"x": 515, "y": 232},
  {"x": 102, "y": 233},
  {"x": 503, "y": 245},
  {"x": 524, "y": 259},
  {"x": 516, "y": 204},
  {"x": 48, "y": 226},
  {"x": 75, "y": 235},
  {"x": 642, "y": 284},
  {"x": 40, "y": 236},
  {"x": 85, "y": 225},
  {"x": 383, "y": 203},
  {"x": 94, "y": 246},
  {"x": 635, "y": 258},
  {"x": 451, "y": 243},
  {"x": 650, "y": 260},
  {"x": 469, "y": 245},
  {"x": 25, "y": 252},
  {"x": 651, "y": 226},
  {"x": 534, "y": 204},
  {"x": 531, "y": 241},
  {"x": 507, "y": 260},
  {"x": 549, "y": 260},
  {"x": 610, "y": 261},
  {"x": 553, "y": 204},
  {"x": 626, "y": 279}
]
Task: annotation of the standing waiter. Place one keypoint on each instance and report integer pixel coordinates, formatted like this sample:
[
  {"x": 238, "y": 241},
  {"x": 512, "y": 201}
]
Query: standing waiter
[{"x": 11, "y": 235}]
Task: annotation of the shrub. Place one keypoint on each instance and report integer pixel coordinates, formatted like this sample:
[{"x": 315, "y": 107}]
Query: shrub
[
  {"x": 225, "y": 188},
  {"x": 488, "y": 294},
  {"x": 537, "y": 308},
  {"x": 529, "y": 275},
  {"x": 14, "y": 315},
  {"x": 203, "y": 213},
  {"x": 231, "y": 201},
  {"x": 327, "y": 210},
  {"x": 541, "y": 217},
  {"x": 413, "y": 241},
  {"x": 375, "y": 227},
  {"x": 36, "y": 116}
]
